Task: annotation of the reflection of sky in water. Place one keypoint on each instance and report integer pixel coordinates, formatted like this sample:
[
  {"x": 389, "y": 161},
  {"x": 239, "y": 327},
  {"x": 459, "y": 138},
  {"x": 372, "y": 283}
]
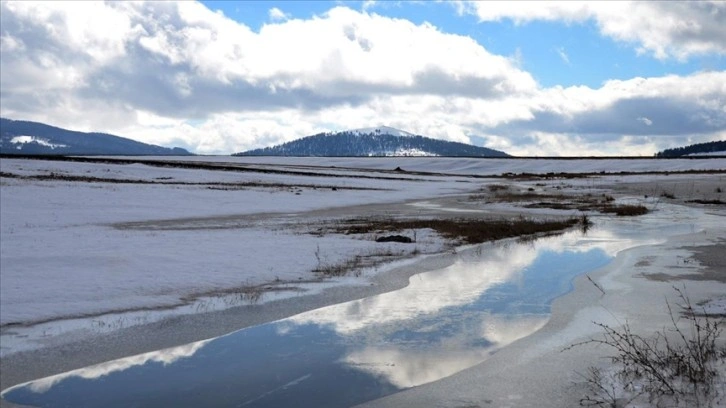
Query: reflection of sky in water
[{"x": 443, "y": 322}]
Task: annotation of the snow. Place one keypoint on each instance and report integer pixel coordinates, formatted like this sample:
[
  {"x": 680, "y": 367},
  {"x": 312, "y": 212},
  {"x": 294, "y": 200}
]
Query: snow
[
  {"x": 382, "y": 130},
  {"x": 32, "y": 139},
  {"x": 411, "y": 153},
  {"x": 721, "y": 153},
  {"x": 63, "y": 254},
  {"x": 476, "y": 166}
]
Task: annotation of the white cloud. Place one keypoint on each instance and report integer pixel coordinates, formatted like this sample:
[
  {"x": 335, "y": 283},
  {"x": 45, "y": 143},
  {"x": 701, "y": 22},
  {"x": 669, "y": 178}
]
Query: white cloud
[
  {"x": 664, "y": 29},
  {"x": 563, "y": 55},
  {"x": 276, "y": 14},
  {"x": 645, "y": 120},
  {"x": 368, "y": 4}
]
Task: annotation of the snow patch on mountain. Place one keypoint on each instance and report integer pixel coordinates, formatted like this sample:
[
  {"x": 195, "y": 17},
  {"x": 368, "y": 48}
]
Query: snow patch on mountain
[
  {"x": 380, "y": 130},
  {"x": 412, "y": 152},
  {"x": 21, "y": 140},
  {"x": 719, "y": 153}
]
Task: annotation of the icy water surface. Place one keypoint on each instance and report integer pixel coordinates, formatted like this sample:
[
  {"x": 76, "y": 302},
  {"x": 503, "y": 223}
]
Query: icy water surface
[{"x": 443, "y": 322}]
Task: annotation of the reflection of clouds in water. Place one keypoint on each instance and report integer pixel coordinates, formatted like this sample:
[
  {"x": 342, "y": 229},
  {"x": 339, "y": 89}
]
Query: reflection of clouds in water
[
  {"x": 475, "y": 272},
  {"x": 602, "y": 238},
  {"x": 166, "y": 356},
  {"x": 406, "y": 368},
  {"x": 502, "y": 330},
  {"x": 459, "y": 284}
]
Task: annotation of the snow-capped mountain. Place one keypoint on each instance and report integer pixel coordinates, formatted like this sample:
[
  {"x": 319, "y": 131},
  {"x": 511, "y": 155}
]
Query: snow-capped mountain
[
  {"x": 21, "y": 137},
  {"x": 374, "y": 141}
]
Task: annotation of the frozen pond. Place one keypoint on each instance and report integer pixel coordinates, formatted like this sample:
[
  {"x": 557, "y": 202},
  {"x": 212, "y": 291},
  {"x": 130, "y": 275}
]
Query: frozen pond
[{"x": 443, "y": 322}]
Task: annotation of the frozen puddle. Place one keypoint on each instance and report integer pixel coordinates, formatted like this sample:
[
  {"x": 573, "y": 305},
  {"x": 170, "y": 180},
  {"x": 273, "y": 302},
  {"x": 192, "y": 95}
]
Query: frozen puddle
[{"x": 443, "y": 322}]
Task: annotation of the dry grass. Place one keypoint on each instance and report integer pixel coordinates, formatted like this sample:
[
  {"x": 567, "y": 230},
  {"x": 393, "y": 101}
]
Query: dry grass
[
  {"x": 222, "y": 186},
  {"x": 354, "y": 264},
  {"x": 497, "y": 187},
  {"x": 466, "y": 231},
  {"x": 709, "y": 202},
  {"x": 459, "y": 231},
  {"x": 587, "y": 202},
  {"x": 625, "y": 210}
]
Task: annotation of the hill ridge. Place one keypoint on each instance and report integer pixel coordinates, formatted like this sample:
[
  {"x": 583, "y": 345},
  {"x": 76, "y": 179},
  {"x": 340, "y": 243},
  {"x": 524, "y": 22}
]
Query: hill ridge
[
  {"x": 27, "y": 137},
  {"x": 381, "y": 141}
]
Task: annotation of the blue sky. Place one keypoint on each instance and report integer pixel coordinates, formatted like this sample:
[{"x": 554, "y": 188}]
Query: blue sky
[{"x": 217, "y": 77}]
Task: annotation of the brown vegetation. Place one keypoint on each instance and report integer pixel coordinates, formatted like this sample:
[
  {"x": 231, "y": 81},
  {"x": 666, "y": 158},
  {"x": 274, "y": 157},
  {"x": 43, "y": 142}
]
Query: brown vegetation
[
  {"x": 465, "y": 231},
  {"x": 588, "y": 202}
]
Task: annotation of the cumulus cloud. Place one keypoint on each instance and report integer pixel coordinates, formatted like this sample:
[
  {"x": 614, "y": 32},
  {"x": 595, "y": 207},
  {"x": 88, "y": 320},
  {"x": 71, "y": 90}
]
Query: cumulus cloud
[
  {"x": 181, "y": 51},
  {"x": 672, "y": 104},
  {"x": 664, "y": 29},
  {"x": 180, "y": 74}
]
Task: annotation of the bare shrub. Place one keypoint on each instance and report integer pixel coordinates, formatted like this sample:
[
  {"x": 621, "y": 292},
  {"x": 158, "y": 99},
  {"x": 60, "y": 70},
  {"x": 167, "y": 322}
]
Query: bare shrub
[{"x": 674, "y": 367}]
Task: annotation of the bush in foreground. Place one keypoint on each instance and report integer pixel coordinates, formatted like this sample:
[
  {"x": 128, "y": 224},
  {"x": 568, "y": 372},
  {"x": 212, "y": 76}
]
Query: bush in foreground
[{"x": 673, "y": 368}]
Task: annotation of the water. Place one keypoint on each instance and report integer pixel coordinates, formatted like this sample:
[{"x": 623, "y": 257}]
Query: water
[{"x": 445, "y": 321}]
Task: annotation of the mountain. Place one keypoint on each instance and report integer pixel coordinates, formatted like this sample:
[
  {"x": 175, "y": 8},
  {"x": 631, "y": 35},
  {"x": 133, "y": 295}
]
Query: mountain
[
  {"x": 21, "y": 137},
  {"x": 717, "y": 148},
  {"x": 379, "y": 141}
]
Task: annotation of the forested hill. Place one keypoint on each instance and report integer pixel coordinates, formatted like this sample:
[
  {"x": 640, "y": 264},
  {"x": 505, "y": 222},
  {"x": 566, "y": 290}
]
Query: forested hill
[
  {"x": 23, "y": 137},
  {"x": 709, "y": 148},
  {"x": 373, "y": 142}
]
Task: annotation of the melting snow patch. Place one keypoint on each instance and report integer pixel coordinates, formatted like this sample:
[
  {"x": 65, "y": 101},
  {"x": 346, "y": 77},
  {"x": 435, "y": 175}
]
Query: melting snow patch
[
  {"x": 19, "y": 140},
  {"x": 381, "y": 130}
]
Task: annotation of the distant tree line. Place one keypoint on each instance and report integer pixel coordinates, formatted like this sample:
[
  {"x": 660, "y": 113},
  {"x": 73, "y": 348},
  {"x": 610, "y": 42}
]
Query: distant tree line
[{"x": 709, "y": 147}]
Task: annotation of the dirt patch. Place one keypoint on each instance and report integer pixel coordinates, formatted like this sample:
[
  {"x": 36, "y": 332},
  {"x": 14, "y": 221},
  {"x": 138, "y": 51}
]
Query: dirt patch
[
  {"x": 711, "y": 259},
  {"x": 646, "y": 261}
]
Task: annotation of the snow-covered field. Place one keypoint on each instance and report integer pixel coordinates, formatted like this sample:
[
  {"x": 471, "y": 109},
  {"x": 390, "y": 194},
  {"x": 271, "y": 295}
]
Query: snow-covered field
[
  {"x": 474, "y": 166},
  {"x": 87, "y": 238},
  {"x": 63, "y": 256}
]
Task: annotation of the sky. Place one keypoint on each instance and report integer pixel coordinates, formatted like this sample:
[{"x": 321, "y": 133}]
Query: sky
[{"x": 541, "y": 78}]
